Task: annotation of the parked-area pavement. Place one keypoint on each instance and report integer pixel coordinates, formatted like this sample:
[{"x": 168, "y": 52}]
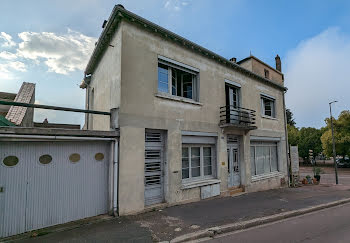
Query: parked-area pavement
[{"x": 328, "y": 175}]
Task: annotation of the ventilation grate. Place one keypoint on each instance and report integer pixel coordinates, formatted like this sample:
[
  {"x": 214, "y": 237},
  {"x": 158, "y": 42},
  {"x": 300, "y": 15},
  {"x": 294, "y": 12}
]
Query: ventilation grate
[
  {"x": 232, "y": 139},
  {"x": 153, "y": 137}
]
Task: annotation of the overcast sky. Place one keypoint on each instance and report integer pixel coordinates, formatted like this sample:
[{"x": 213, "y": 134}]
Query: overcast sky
[{"x": 49, "y": 42}]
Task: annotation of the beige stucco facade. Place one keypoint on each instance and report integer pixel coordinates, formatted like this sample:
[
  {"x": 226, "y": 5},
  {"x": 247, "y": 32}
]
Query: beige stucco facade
[{"x": 126, "y": 78}]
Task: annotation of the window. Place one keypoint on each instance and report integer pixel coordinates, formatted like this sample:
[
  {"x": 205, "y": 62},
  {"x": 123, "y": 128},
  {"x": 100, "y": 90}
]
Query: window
[
  {"x": 177, "y": 81},
  {"x": 268, "y": 106},
  {"x": 263, "y": 157},
  {"x": 197, "y": 161},
  {"x": 267, "y": 74},
  {"x": 10, "y": 161},
  {"x": 74, "y": 157},
  {"x": 45, "y": 159}
]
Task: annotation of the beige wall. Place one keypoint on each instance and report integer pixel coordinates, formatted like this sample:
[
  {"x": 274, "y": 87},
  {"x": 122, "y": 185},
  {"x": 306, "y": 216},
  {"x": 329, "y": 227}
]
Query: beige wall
[
  {"x": 140, "y": 108},
  {"x": 105, "y": 82},
  {"x": 258, "y": 68}
]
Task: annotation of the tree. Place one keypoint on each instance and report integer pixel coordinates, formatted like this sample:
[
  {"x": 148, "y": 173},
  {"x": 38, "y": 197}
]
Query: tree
[
  {"x": 293, "y": 135},
  {"x": 290, "y": 119},
  {"x": 341, "y": 135},
  {"x": 309, "y": 139}
]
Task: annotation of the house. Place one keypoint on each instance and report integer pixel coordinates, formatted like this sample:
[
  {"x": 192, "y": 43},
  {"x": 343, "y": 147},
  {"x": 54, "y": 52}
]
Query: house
[
  {"x": 16, "y": 115},
  {"x": 11, "y": 115},
  {"x": 192, "y": 124}
]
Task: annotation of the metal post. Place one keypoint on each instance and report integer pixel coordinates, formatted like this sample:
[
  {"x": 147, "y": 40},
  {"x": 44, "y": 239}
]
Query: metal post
[{"x": 334, "y": 153}]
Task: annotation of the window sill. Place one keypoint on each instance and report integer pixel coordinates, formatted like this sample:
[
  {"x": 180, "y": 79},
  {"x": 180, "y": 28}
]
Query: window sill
[
  {"x": 204, "y": 182},
  {"x": 269, "y": 117},
  {"x": 177, "y": 98},
  {"x": 267, "y": 176}
]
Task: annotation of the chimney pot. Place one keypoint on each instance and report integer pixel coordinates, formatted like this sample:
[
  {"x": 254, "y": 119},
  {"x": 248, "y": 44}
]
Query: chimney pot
[
  {"x": 233, "y": 59},
  {"x": 278, "y": 63}
]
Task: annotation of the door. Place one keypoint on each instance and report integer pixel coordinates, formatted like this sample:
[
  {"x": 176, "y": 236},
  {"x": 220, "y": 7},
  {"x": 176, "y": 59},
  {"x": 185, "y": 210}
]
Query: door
[
  {"x": 234, "y": 177},
  {"x": 232, "y": 102},
  {"x": 51, "y": 183},
  {"x": 154, "y": 163}
]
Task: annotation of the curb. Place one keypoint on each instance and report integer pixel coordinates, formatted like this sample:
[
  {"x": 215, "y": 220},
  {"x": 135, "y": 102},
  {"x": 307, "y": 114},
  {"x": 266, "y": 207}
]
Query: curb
[{"x": 211, "y": 232}]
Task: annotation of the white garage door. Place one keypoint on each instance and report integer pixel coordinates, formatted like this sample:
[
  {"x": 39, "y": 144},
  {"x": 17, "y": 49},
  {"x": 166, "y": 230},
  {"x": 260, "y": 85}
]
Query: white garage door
[{"x": 48, "y": 183}]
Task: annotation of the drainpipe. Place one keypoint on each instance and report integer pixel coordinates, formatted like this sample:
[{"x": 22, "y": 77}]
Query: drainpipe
[
  {"x": 286, "y": 135},
  {"x": 115, "y": 177},
  {"x": 88, "y": 106}
]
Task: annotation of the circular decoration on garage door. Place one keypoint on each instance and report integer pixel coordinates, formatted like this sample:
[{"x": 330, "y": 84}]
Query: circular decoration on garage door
[
  {"x": 45, "y": 159},
  {"x": 10, "y": 161},
  {"x": 74, "y": 158},
  {"x": 99, "y": 156}
]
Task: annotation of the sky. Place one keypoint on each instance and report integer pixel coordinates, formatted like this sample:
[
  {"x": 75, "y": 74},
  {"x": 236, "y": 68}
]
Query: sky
[{"x": 49, "y": 42}]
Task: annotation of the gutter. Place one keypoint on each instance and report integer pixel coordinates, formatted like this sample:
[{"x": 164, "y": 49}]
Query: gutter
[
  {"x": 118, "y": 13},
  {"x": 115, "y": 177},
  {"x": 289, "y": 162}
]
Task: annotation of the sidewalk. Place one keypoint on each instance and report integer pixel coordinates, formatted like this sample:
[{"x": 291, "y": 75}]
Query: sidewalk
[{"x": 166, "y": 224}]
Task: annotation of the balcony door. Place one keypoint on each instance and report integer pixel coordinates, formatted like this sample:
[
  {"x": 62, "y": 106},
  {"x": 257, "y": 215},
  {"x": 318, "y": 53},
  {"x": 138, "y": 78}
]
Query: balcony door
[{"x": 232, "y": 104}]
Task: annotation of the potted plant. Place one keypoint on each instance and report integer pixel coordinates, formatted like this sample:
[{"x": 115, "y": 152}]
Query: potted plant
[
  {"x": 317, "y": 171},
  {"x": 308, "y": 178}
]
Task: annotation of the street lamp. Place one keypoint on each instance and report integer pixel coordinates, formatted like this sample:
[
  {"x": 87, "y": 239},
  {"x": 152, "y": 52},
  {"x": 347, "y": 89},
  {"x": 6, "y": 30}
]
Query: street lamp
[{"x": 334, "y": 154}]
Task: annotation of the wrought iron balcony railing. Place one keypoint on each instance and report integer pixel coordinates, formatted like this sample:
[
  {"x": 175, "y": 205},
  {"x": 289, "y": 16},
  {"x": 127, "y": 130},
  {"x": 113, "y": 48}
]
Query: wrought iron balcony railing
[{"x": 237, "y": 116}]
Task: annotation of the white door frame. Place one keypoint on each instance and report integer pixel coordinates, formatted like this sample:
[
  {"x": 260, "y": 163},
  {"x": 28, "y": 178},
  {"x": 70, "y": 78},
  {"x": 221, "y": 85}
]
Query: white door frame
[{"x": 234, "y": 165}]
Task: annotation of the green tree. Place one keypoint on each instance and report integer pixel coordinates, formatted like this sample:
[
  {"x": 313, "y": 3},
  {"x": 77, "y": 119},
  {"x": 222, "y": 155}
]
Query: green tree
[
  {"x": 293, "y": 135},
  {"x": 341, "y": 135},
  {"x": 309, "y": 139},
  {"x": 290, "y": 119}
]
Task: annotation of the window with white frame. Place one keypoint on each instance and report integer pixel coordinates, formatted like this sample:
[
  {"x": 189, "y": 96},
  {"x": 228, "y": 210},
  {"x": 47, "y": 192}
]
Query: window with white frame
[
  {"x": 268, "y": 106},
  {"x": 197, "y": 162},
  {"x": 263, "y": 157},
  {"x": 177, "y": 80}
]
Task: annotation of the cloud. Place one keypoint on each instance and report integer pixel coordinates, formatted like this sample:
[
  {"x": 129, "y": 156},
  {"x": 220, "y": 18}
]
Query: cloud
[
  {"x": 60, "y": 53},
  {"x": 175, "y": 5},
  {"x": 7, "y": 69},
  {"x": 317, "y": 72},
  {"x": 6, "y": 40},
  {"x": 7, "y": 55}
]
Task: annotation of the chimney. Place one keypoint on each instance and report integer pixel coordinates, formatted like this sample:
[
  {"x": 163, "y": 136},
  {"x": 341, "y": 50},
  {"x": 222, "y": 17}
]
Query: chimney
[
  {"x": 233, "y": 59},
  {"x": 278, "y": 63}
]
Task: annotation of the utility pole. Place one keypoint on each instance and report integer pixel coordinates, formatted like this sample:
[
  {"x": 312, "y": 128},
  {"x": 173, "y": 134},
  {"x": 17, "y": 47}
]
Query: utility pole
[{"x": 334, "y": 154}]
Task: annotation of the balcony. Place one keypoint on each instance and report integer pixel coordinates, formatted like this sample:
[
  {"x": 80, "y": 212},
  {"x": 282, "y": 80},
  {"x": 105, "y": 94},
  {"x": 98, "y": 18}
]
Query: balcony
[{"x": 237, "y": 117}]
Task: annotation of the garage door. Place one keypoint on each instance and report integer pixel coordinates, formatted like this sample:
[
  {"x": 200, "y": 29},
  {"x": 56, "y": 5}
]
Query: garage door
[{"x": 48, "y": 183}]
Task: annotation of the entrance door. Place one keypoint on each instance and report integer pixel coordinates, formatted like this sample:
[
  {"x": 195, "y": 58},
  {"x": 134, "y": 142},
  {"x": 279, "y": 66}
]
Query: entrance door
[
  {"x": 232, "y": 102},
  {"x": 234, "y": 177},
  {"x": 154, "y": 163}
]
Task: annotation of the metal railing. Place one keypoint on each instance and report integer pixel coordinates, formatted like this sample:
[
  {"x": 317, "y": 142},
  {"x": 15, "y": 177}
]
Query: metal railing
[{"x": 237, "y": 116}]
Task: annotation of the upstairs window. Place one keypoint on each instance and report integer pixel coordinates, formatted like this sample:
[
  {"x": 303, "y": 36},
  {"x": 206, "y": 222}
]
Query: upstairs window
[
  {"x": 267, "y": 74},
  {"x": 268, "y": 106},
  {"x": 177, "y": 81}
]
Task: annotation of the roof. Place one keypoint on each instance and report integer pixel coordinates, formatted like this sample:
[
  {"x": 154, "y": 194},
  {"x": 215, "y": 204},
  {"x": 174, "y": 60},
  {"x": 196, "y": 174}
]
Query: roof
[
  {"x": 119, "y": 13},
  {"x": 257, "y": 59},
  {"x": 5, "y": 123},
  {"x": 16, "y": 114},
  {"x": 7, "y": 96}
]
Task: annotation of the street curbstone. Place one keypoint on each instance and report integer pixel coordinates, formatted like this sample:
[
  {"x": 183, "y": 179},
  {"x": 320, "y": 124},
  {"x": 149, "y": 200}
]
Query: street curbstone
[{"x": 213, "y": 231}]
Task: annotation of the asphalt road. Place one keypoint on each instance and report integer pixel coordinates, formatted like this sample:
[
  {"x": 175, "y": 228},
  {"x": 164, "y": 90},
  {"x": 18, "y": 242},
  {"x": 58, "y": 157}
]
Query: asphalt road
[{"x": 328, "y": 225}]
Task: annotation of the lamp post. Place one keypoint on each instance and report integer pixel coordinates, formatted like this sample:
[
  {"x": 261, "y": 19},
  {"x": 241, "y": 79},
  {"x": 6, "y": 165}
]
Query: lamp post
[{"x": 334, "y": 154}]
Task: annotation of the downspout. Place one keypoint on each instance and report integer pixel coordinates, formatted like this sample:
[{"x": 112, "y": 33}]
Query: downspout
[
  {"x": 286, "y": 135},
  {"x": 88, "y": 106},
  {"x": 115, "y": 177}
]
